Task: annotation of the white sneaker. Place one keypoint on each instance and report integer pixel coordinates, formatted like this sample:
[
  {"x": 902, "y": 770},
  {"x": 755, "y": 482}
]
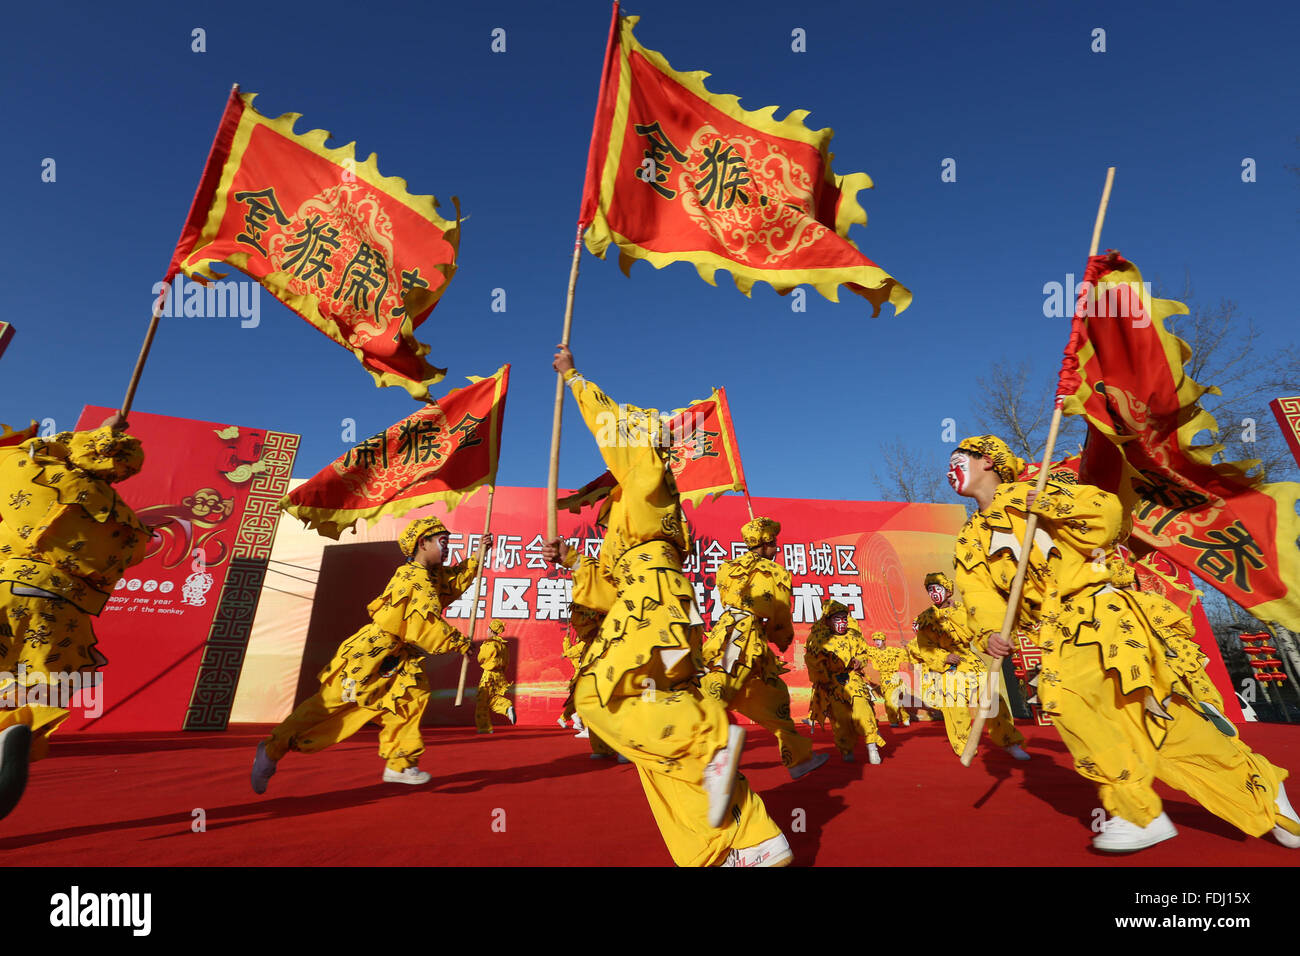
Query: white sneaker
[
  {"x": 1017, "y": 751},
  {"x": 720, "y": 775},
  {"x": 411, "y": 775},
  {"x": 577, "y": 723},
  {"x": 773, "y": 852},
  {"x": 807, "y": 722},
  {"x": 263, "y": 769},
  {"x": 808, "y": 766},
  {"x": 15, "y": 755},
  {"x": 1120, "y": 836},
  {"x": 510, "y": 714},
  {"x": 584, "y": 733},
  {"x": 873, "y": 754},
  {"x": 564, "y": 724},
  {"x": 1284, "y": 808}
]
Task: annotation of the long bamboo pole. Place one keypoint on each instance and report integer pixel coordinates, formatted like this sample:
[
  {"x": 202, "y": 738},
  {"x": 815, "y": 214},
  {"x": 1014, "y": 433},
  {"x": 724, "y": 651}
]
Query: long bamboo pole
[
  {"x": 553, "y": 476},
  {"x": 144, "y": 351},
  {"x": 473, "y": 608},
  {"x": 1031, "y": 528}
]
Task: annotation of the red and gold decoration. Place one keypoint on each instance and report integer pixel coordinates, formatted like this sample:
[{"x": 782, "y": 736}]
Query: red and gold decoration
[
  {"x": 1263, "y": 657},
  {"x": 350, "y": 250},
  {"x": 703, "y": 455},
  {"x": 679, "y": 174},
  {"x": 177, "y": 625},
  {"x": 6, "y": 335},
  {"x": 444, "y": 452},
  {"x": 1124, "y": 371},
  {"x": 1287, "y": 412}
]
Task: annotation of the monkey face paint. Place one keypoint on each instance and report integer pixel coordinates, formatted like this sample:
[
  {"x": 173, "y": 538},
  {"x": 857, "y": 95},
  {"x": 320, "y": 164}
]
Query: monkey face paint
[
  {"x": 938, "y": 594},
  {"x": 840, "y": 623},
  {"x": 959, "y": 471}
]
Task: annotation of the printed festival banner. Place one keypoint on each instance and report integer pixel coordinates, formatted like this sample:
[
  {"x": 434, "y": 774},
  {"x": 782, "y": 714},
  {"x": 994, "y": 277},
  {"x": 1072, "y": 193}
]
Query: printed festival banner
[
  {"x": 175, "y": 629},
  {"x": 872, "y": 556}
]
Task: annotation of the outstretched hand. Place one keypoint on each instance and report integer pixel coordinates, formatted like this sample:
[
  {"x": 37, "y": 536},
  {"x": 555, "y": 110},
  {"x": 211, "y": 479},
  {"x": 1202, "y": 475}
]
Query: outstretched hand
[
  {"x": 563, "y": 360},
  {"x": 555, "y": 550}
]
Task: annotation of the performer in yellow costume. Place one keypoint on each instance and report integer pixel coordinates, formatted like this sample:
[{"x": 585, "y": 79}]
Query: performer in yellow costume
[
  {"x": 493, "y": 658},
  {"x": 639, "y": 684},
  {"x": 957, "y": 676},
  {"x": 1107, "y": 677},
  {"x": 887, "y": 660},
  {"x": 835, "y": 656},
  {"x": 66, "y": 538},
  {"x": 744, "y": 674},
  {"x": 585, "y": 623},
  {"x": 378, "y": 672}
]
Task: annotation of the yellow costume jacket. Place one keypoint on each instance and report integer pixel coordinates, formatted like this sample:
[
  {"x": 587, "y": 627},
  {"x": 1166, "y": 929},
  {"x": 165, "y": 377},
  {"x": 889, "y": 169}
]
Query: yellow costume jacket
[
  {"x": 385, "y": 657},
  {"x": 641, "y": 555},
  {"x": 62, "y": 530},
  {"x": 830, "y": 656},
  {"x": 753, "y": 589},
  {"x": 941, "y": 631},
  {"x": 1068, "y": 592}
]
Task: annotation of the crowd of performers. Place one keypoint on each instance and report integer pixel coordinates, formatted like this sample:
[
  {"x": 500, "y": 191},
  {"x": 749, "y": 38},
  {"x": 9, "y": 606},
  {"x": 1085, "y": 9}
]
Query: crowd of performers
[{"x": 1121, "y": 678}]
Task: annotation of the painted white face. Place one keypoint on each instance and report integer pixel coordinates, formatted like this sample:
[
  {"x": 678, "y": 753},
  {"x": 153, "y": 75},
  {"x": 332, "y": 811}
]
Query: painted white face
[
  {"x": 959, "y": 471},
  {"x": 840, "y": 623},
  {"x": 437, "y": 548},
  {"x": 938, "y": 594}
]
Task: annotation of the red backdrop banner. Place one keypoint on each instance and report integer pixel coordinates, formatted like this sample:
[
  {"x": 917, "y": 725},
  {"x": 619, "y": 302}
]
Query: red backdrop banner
[
  {"x": 872, "y": 556},
  {"x": 210, "y": 493}
]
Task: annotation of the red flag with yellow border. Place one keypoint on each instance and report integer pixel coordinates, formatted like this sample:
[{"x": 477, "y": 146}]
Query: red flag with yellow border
[
  {"x": 704, "y": 457},
  {"x": 444, "y": 452},
  {"x": 1123, "y": 370},
  {"x": 350, "y": 250},
  {"x": 678, "y": 174}
]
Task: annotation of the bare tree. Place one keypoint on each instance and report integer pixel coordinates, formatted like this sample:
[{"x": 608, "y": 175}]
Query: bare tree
[
  {"x": 1227, "y": 353},
  {"x": 1015, "y": 403},
  {"x": 909, "y": 474}
]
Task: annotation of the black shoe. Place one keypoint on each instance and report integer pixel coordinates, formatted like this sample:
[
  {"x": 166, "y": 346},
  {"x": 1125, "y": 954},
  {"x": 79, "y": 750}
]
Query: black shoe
[{"x": 15, "y": 749}]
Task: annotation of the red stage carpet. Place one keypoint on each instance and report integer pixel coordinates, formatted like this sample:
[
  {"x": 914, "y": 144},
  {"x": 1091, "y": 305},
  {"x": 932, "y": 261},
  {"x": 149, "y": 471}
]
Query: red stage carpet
[{"x": 131, "y": 800}]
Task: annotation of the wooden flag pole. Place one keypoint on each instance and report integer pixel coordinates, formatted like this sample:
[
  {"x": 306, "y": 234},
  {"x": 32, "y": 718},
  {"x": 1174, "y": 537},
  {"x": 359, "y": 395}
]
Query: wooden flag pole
[
  {"x": 473, "y": 608},
  {"x": 553, "y": 476},
  {"x": 144, "y": 352},
  {"x": 1031, "y": 528}
]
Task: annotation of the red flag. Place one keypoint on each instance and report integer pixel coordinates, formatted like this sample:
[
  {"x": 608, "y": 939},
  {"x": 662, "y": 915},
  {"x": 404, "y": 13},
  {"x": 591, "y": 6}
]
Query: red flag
[
  {"x": 704, "y": 456},
  {"x": 444, "y": 452},
  {"x": 1123, "y": 370},
  {"x": 676, "y": 173},
  {"x": 348, "y": 249}
]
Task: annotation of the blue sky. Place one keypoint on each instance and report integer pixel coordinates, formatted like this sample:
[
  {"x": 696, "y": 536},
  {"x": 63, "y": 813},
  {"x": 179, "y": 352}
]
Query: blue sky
[{"x": 1012, "y": 92}]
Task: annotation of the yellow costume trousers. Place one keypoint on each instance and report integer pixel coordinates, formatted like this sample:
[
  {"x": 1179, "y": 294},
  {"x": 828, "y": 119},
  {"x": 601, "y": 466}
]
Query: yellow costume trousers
[
  {"x": 670, "y": 736},
  {"x": 326, "y": 718},
  {"x": 42, "y": 720},
  {"x": 891, "y": 690},
  {"x": 852, "y": 716},
  {"x": 765, "y": 702},
  {"x": 491, "y": 699},
  {"x": 1107, "y": 735},
  {"x": 957, "y": 722}
]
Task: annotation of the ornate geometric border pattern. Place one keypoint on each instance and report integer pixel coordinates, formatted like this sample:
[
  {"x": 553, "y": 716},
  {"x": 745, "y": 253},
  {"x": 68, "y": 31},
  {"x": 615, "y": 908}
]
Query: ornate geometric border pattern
[
  {"x": 223, "y": 654},
  {"x": 1287, "y": 413}
]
